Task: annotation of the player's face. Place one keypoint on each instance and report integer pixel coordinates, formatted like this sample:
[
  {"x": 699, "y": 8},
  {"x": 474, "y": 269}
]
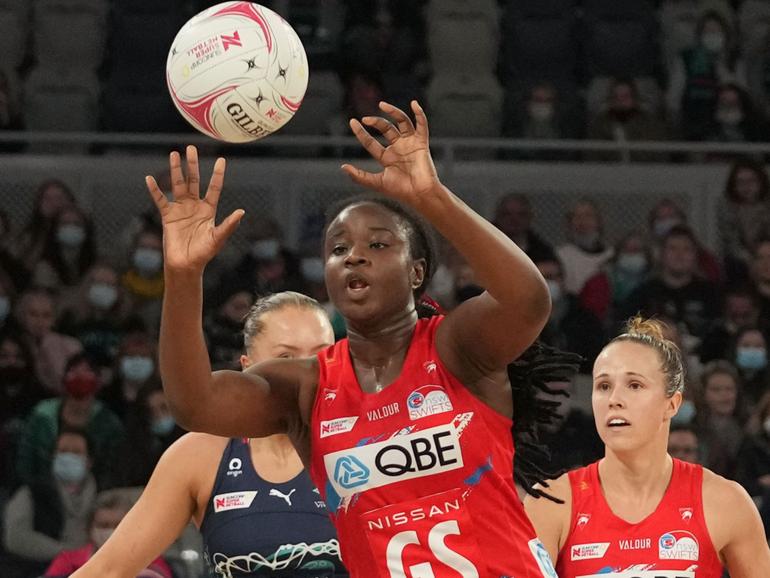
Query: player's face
[
  {"x": 290, "y": 332},
  {"x": 370, "y": 274},
  {"x": 629, "y": 401}
]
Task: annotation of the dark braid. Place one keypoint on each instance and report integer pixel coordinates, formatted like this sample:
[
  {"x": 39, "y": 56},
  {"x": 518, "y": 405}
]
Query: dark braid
[{"x": 530, "y": 374}]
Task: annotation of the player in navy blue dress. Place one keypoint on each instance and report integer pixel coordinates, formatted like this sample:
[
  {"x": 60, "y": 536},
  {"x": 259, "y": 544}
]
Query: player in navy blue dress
[{"x": 258, "y": 511}]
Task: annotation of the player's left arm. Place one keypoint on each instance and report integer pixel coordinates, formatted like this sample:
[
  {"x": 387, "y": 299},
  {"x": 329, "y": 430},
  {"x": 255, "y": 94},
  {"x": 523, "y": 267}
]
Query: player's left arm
[{"x": 742, "y": 544}]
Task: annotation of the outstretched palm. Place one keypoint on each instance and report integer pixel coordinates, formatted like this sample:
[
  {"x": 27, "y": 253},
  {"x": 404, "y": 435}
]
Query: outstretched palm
[
  {"x": 408, "y": 170},
  {"x": 191, "y": 237}
]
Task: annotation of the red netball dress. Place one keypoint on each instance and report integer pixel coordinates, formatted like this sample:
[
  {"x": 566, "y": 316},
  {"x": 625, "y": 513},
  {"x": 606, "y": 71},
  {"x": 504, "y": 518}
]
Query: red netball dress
[
  {"x": 672, "y": 542},
  {"x": 419, "y": 476}
]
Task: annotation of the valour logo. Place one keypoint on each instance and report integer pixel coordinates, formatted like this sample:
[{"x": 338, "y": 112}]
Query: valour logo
[
  {"x": 337, "y": 426},
  {"x": 428, "y": 400},
  {"x": 414, "y": 455},
  {"x": 233, "y": 39},
  {"x": 233, "y": 501}
]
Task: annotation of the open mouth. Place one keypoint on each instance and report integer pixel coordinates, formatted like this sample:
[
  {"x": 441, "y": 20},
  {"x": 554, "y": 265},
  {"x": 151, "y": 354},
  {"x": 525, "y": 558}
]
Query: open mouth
[
  {"x": 617, "y": 422},
  {"x": 357, "y": 285}
]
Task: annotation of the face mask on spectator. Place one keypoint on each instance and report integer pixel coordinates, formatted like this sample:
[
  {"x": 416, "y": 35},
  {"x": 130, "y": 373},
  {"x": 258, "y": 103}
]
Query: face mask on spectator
[
  {"x": 71, "y": 235},
  {"x": 69, "y": 468},
  {"x": 102, "y": 296},
  {"x": 729, "y": 115},
  {"x": 662, "y": 226},
  {"x": 586, "y": 240},
  {"x": 685, "y": 414},
  {"x": 554, "y": 289},
  {"x": 99, "y": 536},
  {"x": 136, "y": 367},
  {"x": 265, "y": 249},
  {"x": 751, "y": 358},
  {"x": 5, "y": 307},
  {"x": 632, "y": 262},
  {"x": 713, "y": 41},
  {"x": 541, "y": 111},
  {"x": 148, "y": 261},
  {"x": 766, "y": 425},
  {"x": 312, "y": 269},
  {"x": 163, "y": 425},
  {"x": 80, "y": 386}
]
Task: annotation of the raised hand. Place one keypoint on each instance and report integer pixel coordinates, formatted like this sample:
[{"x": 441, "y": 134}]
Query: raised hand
[
  {"x": 408, "y": 171},
  {"x": 191, "y": 237}
]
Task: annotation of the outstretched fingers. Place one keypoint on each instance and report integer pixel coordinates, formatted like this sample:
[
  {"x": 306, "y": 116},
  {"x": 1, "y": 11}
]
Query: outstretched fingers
[
  {"x": 226, "y": 228},
  {"x": 193, "y": 172},
  {"x": 216, "y": 183},
  {"x": 384, "y": 126},
  {"x": 420, "y": 119},
  {"x": 157, "y": 195},
  {"x": 370, "y": 143},
  {"x": 364, "y": 178},
  {"x": 402, "y": 120}
]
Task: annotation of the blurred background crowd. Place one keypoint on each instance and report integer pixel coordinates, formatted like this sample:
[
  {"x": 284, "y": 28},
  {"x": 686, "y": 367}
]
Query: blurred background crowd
[{"x": 82, "y": 411}]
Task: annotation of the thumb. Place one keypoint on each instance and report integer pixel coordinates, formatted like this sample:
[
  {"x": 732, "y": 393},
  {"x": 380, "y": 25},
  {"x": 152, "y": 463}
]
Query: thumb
[{"x": 226, "y": 228}]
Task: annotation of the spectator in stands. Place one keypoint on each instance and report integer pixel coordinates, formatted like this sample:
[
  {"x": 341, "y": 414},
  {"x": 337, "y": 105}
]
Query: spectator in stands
[
  {"x": 585, "y": 251},
  {"x": 699, "y": 72},
  {"x": 50, "y": 514},
  {"x": 223, "y": 326},
  {"x": 572, "y": 440},
  {"x": 754, "y": 456},
  {"x": 7, "y": 302},
  {"x": 749, "y": 355},
  {"x": 36, "y": 313},
  {"x": 143, "y": 281},
  {"x": 68, "y": 252},
  {"x": 744, "y": 215},
  {"x": 760, "y": 277},
  {"x": 665, "y": 215},
  {"x": 740, "y": 310},
  {"x": 135, "y": 366},
  {"x": 625, "y": 120},
  {"x": 757, "y": 69},
  {"x": 735, "y": 119},
  {"x": 269, "y": 266},
  {"x": 676, "y": 290},
  {"x": 513, "y": 216},
  {"x": 19, "y": 392},
  {"x": 150, "y": 430},
  {"x": 683, "y": 443},
  {"x": 570, "y": 327},
  {"x": 96, "y": 315},
  {"x": 608, "y": 289},
  {"x": 51, "y": 196},
  {"x": 77, "y": 408},
  {"x": 109, "y": 509},
  {"x": 720, "y": 417},
  {"x": 10, "y": 265},
  {"x": 10, "y": 113}
]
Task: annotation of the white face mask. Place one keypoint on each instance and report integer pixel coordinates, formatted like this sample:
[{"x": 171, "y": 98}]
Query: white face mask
[
  {"x": 729, "y": 116},
  {"x": 541, "y": 111},
  {"x": 766, "y": 425},
  {"x": 148, "y": 261},
  {"x": 71, "y": 235},
  {"x": 5, "y": 307},
  {"x": 713, "y": 41},
  {"x": 312, "y": 269},
  {"x": 266, "y": 249},
  {"x": 632, "y": 262},
  {"x": 686, "y": 413},
  {"x": 102, "y": 295}
]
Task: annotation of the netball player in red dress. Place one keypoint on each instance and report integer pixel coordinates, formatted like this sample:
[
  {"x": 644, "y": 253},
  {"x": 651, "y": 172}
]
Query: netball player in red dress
[
  {"x": 405, "y": 424},
  {"x": 638, "y": 512}
]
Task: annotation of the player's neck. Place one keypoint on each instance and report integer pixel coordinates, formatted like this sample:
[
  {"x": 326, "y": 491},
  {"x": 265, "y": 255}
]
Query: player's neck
[
  {"x": 277, "y": 447},
  {"x": 375, "y": 346},
  {"x": 645, "y": 472}
]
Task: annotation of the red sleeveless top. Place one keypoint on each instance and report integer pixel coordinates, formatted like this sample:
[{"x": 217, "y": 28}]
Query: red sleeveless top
[
  {"x": 672, "y": 542},
  {"x": 419, "y": 476}
]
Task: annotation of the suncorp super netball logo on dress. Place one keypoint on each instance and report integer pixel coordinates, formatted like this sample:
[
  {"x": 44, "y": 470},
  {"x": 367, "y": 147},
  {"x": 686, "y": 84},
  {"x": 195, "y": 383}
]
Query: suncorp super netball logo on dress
[
  {"x": 415, "y": 455},
  {"x": 428, "y": 400}
]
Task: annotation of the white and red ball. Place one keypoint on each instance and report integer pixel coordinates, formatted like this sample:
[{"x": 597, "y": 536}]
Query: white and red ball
[{"x": 237, "y": 71}]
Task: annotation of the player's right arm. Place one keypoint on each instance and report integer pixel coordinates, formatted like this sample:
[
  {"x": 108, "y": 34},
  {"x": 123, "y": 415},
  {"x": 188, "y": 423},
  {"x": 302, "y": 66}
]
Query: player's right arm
[
  {"x": 260, "y": 402},
  {"x": 172, "y": 497},
  {"x": 550, "y": 519}
]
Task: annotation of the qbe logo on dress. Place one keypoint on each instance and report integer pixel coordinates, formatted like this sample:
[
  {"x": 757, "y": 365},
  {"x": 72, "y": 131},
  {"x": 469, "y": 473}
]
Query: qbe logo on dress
[
  {"x": 428, "y": 400},
  {"x": 678, "y": 545},
  {"x": 423, "y": 453}
]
